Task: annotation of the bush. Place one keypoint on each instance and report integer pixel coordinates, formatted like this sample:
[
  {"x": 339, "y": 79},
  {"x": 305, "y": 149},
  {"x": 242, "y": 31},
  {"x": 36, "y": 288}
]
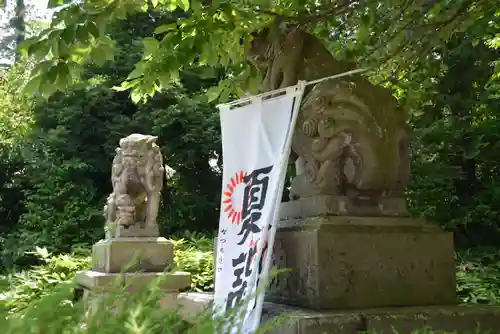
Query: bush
[
  {"x": 478, "y": 276},
  {"x": 22, "y": 289},
  {"x": 193, "y": 254}
]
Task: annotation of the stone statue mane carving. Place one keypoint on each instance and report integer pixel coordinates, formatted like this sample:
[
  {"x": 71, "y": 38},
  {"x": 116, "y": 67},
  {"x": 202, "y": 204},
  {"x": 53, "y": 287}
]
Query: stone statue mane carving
[
  {"x": 351, "y": 139},
  {"x": 137, "y": 178}
]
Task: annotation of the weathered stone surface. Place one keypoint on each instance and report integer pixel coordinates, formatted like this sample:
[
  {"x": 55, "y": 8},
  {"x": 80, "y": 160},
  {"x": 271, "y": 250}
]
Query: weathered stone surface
[
  {"x": 137, "y": 177},
  {"x": 193, "y": 304},
  {"x": 340, "y": 262},
  {"x": 458, "y": 319},
  {"x": 351, "y": 137},
  {"x": 362, "y": 262},
  {"x": 322, "y": 205},
  {"x": 462, "y": 319},
  {"x": 132, "y": 254},
  {"x": 96, "y": 285},
  {"x": 97, "y": 282},
  {"x": 134, "y": 231}
]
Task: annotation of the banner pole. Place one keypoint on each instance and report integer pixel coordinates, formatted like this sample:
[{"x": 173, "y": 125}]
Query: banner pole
[
  {"x": 272, "y": 233},
  {"x": 281, "y": 90}
]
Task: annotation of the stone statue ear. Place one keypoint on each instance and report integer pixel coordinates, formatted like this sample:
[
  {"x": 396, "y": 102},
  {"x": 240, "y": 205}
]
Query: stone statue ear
[{"x": 152, "y": 139}]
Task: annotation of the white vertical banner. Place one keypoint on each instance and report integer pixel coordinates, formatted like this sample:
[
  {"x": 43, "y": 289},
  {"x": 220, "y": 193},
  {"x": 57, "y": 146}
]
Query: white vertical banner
[{"x": 256, "y": 140}]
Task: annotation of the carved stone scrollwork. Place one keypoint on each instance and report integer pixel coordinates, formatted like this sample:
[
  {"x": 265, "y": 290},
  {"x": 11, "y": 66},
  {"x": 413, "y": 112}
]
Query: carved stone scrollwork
[
  {"x": 351, "y": 138},
  {"x": 350, "y": 147}
]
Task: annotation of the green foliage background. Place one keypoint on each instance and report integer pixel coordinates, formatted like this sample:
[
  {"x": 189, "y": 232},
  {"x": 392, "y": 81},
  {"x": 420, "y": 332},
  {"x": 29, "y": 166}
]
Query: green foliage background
[
  {"x": 57, "y": 143},
  {"x": 57, "y": 165},
  {"x": 56, "y": 147}
]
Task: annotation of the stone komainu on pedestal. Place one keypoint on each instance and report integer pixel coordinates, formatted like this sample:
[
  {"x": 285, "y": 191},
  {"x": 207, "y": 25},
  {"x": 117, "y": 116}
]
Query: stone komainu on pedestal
[
  {"x": 132, "y": 242},
  {"x": 137, "y": 177},
  {"x": 346, "y": 234}
]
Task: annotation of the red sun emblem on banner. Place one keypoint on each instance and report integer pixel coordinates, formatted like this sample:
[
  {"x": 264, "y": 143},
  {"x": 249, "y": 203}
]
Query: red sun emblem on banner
[{"x": 233, "y": 197}]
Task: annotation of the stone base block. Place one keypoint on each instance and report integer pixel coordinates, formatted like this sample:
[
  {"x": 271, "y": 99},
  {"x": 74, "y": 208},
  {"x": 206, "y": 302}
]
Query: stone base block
[
  {"x": 460, "y": 319},
  {"x": 322, "y": 205},
  {"x": 342, "y": 262},
  {"x": 132, "y": 254},
  {"x": 97, "y": 282}
]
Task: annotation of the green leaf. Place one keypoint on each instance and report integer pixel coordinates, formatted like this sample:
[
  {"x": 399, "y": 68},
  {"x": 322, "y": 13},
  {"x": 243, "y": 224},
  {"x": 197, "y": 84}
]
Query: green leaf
[
  {"x": 39, "y": 50},
  {"x": 120, "y": 88},
  {"x": 55, "y": 48},
  {"x": 51, "y": 75},
  {"x": 174, "y": 74},
  {"x": 239, "y": 91},
  {"x": 154, "y": 3},
  {"x": 164, "y": 80},
  {"x": 165, "y": 28},
  {"x": 137, "y": 72},
  {"x": 23, "y": 47},
  {"x": 63, "y": 48},
  {"x": 196, "y": 5},
  {"x": 93, "y": 30},
  {"x": 364, "y": 29},
  {"x": 55, "y": 34},
  {"x": 98, "y": 56},
  {"x": 150, "y": 44},
  {"x": 33, "y": 85},
  {"x": 136, "y": 96},
  {"x": 120, "y": 11},
  {"x": 69, "y": 34},
  {"x": 56, "y": 3},
  {"x": 62, "y": 81},
  {"x": 183, "y": 4},
  {"x": 63, "y": 70},
  {"x": 42, "y": 252},
  {"x": 126, "y": 85},
  {"x": 109, "y": 50},
  {"x": 224, "y": 95},
  {"x": 42, "y": 67},
  {"x": 82, "y": 34},
  {"x": 213, "y": 93},
  {"x": 171, "y": 6}
]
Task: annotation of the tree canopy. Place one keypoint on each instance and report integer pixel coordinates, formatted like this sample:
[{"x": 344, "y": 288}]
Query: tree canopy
[{"x": 217, "y": 33}]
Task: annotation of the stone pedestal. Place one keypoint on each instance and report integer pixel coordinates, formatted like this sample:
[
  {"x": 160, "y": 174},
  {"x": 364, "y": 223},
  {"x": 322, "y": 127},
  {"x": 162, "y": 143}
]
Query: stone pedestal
[
  {"x": 457, "y": 319},
  {"x": 133, "y": 262},
  {"x": 361, "y": 265},
  {"x": 131, "y": 254},
  {"x": 343, "y": 262}
]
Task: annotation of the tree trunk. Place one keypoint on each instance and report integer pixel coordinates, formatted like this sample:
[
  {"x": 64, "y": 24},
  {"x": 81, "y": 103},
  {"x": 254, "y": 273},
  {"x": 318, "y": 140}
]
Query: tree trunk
[{"x": 19, "y": 24}]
